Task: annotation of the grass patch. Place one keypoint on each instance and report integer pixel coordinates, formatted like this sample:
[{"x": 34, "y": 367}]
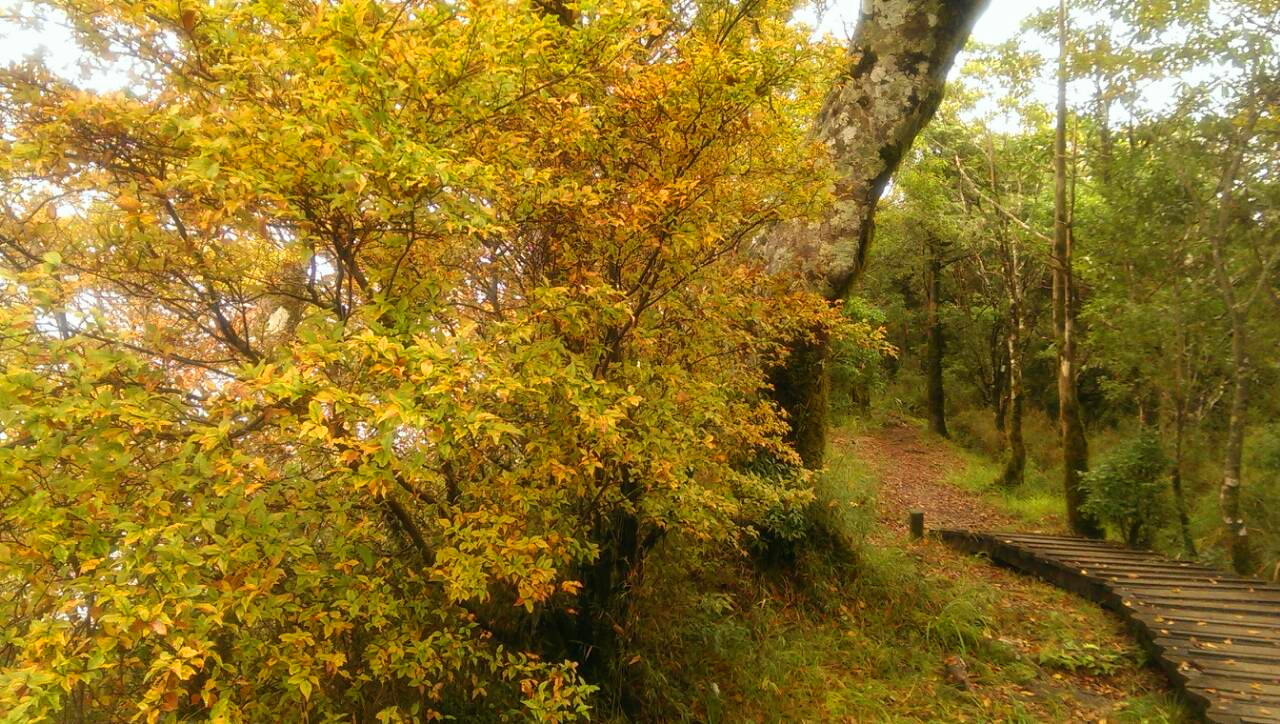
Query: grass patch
[{"x": 1038, "y": 502}]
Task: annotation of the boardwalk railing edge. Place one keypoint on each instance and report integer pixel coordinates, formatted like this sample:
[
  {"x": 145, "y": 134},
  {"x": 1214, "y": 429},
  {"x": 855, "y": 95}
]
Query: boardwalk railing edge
[{"x": 1070, "y": 578}]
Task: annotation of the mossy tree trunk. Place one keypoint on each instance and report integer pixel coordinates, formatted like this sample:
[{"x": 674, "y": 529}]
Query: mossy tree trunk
[
  {"x": 801, "y": 388},
  {"x": 897, "y": 67},
  {"x": 999, "y": 382}
]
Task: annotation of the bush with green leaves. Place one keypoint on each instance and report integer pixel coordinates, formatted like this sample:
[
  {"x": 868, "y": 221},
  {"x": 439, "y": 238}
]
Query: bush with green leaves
[
  {"x": 1127, "y": 491},
  {"x": 855, "y": 365},
  {"x": 1085, "y": 657},
  {"x": 1262, "y": 494}
]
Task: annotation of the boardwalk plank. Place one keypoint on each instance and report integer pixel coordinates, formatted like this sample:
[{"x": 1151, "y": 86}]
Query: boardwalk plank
[
  {"x": 1235, "y": 650},
  {"x": 1237, "y": 591},
  {"x": 1223, "y": 618},
  {"x": 1211, "y": 639},
  {"x": 1207, "y": 604}
]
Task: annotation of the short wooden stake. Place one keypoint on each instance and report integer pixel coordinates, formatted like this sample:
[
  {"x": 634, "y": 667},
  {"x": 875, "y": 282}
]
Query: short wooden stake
[{"x": 917, "y": 524}]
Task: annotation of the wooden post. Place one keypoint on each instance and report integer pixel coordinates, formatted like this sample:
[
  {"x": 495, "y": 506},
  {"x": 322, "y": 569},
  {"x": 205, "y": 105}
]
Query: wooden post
[{"x": 916, "y": 520}]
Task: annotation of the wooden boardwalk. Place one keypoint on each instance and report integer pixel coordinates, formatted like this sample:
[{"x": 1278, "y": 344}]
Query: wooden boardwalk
[{"x": 1216, "y": 635}]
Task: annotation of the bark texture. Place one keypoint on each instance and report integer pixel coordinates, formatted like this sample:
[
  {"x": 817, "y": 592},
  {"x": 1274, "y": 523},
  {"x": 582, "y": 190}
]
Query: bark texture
[
  {"x": 1243, "y": 558},
  {"x": 897, "y": 67},
  {"x": 801, "y": 387},
  {"x": 1075, "y": 449},
  {"x": 999, "y": 382}
]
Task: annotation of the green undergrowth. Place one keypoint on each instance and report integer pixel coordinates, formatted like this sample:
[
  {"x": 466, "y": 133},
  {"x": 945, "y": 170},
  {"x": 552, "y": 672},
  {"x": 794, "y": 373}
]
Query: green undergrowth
[
  {"x": 1037, "y": 502},
  {"x": 872, "y": 627}
]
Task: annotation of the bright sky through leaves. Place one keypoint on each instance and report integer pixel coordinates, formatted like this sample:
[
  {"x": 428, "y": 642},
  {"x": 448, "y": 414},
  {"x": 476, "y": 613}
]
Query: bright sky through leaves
[{"x": 1000, "y": 22}]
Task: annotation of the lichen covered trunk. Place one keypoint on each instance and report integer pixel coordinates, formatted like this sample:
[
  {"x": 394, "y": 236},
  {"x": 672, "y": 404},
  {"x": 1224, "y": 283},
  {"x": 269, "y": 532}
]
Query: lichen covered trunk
[
  {"x": 897, "y": 67},
  {"x": 999, "y": 382},
  {"x": 1243, "y": 558},
  {"x": 1011, "y": 268},
  {"x": 1016, "y": 464}
]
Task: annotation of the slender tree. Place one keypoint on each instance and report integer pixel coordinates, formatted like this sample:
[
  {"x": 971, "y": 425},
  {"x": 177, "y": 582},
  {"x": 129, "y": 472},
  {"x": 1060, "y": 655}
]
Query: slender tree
[
  {"x": 1180, "y": 400},
  {"x": 935, "y": 262},
  {"x": 1243, "y": 557},
  {"x": 1011, "y": 270},
  {"x": 1001, "y": 207},
  {"x": 1075, "y": 450}
]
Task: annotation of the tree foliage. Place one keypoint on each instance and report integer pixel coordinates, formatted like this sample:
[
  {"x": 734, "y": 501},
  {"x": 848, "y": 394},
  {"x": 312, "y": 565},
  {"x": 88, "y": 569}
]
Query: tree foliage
[
  {"x": 1127, "y": 489},
  {"x": 357, "y": 353}
]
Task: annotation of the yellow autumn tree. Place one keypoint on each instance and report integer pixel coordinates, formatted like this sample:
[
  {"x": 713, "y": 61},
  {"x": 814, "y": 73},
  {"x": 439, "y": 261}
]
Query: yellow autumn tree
[{"x": 358, "y": 352}]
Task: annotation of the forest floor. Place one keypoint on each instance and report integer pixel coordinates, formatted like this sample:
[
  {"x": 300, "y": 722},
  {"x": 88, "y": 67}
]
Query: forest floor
[
  {"x": 907, "y": 631},
  {"x": 1091, "y": 677}
]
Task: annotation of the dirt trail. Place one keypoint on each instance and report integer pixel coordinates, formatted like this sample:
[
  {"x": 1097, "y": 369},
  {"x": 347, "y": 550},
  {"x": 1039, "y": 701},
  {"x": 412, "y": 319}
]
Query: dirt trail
[{"x": 912, "y": 472}]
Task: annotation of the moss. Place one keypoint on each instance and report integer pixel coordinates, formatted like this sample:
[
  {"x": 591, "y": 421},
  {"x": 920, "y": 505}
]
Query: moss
[{"x": 801, "y": 388}]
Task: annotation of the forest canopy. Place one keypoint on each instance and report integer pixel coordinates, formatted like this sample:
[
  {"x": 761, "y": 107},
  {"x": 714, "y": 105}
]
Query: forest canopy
[{"x": 1170, "y": 157}]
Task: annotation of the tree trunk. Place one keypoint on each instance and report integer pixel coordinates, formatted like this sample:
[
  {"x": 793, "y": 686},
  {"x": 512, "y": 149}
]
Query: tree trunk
[
  {"x": 1000, "y": 378},
  {"x": 801, "y": 388},
  {"x": 898, "y": 61},
  {"x": 1175, "y": 481},
  {"x": 936, "y": 345},
  {"x": 1016, "y": 464},
  {"x": 1011, "y": 267},
  {"x": 1243, "y": 559},
  {"x": 1075, "y": 450},
  {"x": 1180, "y": 401}
]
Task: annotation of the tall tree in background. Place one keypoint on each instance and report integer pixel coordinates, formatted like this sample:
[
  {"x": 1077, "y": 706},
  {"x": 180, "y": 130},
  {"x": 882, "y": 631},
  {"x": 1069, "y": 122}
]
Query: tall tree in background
[
  {"x": 896, "y": 70},
  {"x": 1010, "y": 254},
  {"x": 1002, "y": 206},
  {"x": 934, "y": 263},
  {"x": 1075, "y": 450},
  {"x": 1238, "y": 297}
]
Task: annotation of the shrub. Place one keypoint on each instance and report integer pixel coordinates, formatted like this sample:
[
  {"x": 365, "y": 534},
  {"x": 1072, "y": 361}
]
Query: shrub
[
  {"x": 354, "y": 358},
  {"x": 1086, "y": 657},
  {"x": 857, "y": 357},
  {"x": 1127, "y": 490},
  {"x": 1261, "y": 493}
]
